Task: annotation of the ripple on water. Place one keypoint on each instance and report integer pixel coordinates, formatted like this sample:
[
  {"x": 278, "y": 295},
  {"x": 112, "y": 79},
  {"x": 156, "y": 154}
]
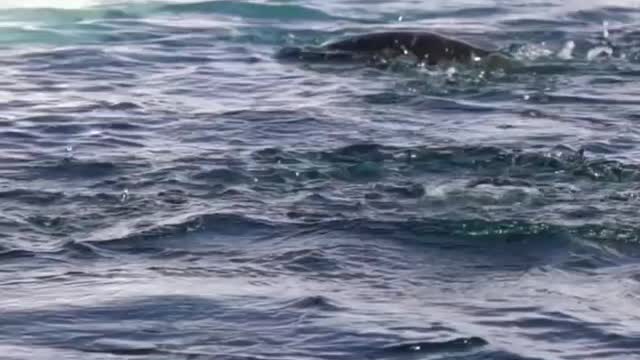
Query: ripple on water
[{"x": 283, "y": 12}]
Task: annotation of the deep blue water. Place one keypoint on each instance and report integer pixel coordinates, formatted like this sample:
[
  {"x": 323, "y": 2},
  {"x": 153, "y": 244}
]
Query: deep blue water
[{"x": 170, "y": 189}]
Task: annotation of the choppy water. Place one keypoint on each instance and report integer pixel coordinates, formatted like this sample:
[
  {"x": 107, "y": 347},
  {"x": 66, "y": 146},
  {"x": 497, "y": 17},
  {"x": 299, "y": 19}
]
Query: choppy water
[{"x": 171, "y": 190}]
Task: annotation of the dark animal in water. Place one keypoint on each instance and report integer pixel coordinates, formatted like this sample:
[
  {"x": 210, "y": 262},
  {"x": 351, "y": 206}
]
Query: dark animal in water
[{"x": 425, "y": 47}]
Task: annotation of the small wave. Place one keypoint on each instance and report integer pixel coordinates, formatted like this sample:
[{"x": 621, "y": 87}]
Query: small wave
[
  {"x": 193, "y": 230},
  {"x": 438, "y": 15},
  {"x": 483, "y": 160},
  {"x": 121, "y": 347},
  {"x": 319, "y": 302},
  {"x": 532, "y": 24},
  {"x": 53, "y": 15},
  {"x": 58, "y": 26},
  {"x": 609, "y": 13},
  {"x": 306, "y": 260},
  {"x": 223, "y": 176},
  {"x": 18, "y": 135},
  {"x": 411, "y": 190},
  {"x": 283, "y": 12},
  {"x": 74, "y": 169},
  {"x": 79, "y": 58},
  {"x": 10, "y": 254},
  {"x": 20, "y": 35},
  {"x": 198, "y": 228},
  {"x": 459, "y": 344}
]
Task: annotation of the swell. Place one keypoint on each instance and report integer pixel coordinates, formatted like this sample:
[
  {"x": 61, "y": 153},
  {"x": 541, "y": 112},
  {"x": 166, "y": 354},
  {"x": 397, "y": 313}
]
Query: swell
[
  {"x": 251, "y": 10},
  {"x": 100, "y": 17},
  {"x": 466, "y": 192},
  {"x": 559, "y": 161},
  {"x": 430, "y": 347},
  {"x": 53, "y": 15},
  {"x": 211, "y": 232},
  {"x": 185, "y": 228},
  {"x": 282, "y": 11},
  {"x": 141, "y": 325}
]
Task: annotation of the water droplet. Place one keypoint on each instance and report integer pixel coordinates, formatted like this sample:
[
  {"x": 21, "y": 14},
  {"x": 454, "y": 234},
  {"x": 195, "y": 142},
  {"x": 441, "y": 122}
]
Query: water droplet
[
  {"x": 125, "y": 195},
  {"x": 527, "y": 97},
  {"x": 69, "y": 152},
  {"x": 400, "y": 18},
  {"x": 297, "y": 173},
  {"x": 255, "y": 179}
]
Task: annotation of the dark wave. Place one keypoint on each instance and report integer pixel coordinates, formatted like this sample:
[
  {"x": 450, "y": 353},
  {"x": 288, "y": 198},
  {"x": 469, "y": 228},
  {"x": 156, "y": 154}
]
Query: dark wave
[
  {"x": 617, "y": 13},
  {"x": 205, "y": 234},
  {"x": 122, "y": 347},
  {"x": 107, "y": 327},
  {"x": 12, "y": 254},
  {"x": 320, "y": 303},
  {"x": 74, "y": 169},
  {"x": 560, "y": 161},
  {"x": 157, "y": 238},
  {"x": 459, "y": 344}
]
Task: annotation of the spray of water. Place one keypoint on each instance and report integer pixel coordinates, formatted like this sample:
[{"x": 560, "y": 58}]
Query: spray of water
[
  {"x": 566, "y": 52},
  {"x": 605, "y": 50}
]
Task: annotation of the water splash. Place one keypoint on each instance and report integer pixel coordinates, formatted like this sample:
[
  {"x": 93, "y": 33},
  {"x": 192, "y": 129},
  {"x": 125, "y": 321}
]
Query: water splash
[
  {"x": 532, "y": 52},
  {"x": 599, "y": 52},
  {"x": 566, "y": 52},
  {"x": 68, "y": 152},
  {"x": 451, "y": 72},
  {"x": 125, "y": 195}
]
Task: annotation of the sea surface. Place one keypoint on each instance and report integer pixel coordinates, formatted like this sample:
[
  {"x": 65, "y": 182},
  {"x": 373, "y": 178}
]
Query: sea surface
[{"x": 172, "y": 189}]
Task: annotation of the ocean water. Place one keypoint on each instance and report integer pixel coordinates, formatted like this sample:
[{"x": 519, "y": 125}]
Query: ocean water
[{"x": 171, "y": 189}]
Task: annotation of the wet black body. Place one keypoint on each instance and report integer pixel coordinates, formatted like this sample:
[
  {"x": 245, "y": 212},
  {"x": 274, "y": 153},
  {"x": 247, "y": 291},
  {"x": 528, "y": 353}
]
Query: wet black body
[
  {"x": 426, "y": 47},
  {"x": 430, "y": 48}
]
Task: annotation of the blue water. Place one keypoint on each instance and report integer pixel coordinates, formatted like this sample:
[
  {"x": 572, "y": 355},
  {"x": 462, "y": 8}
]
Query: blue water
[{"x": 170, "y": 189}]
